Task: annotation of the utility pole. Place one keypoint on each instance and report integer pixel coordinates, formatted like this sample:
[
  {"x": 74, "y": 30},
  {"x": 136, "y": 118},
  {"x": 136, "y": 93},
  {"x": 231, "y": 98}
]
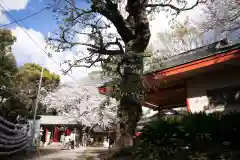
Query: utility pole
[
  {"x": 36, "y": 108},
  {"x": 36, "y": 104}
]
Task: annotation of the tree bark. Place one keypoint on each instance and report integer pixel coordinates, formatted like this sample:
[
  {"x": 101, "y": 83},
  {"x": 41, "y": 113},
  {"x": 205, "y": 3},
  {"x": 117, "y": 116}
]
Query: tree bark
[{"x": 131, "y": 86}]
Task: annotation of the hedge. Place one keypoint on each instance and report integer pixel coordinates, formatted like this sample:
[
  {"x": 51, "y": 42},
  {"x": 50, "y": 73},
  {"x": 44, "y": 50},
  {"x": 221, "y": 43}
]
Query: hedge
[{"x": 198, "y": 136}]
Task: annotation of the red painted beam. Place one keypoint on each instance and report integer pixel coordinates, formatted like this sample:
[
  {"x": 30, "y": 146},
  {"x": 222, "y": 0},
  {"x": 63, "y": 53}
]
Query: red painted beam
[{"x": 220, "y": 58}]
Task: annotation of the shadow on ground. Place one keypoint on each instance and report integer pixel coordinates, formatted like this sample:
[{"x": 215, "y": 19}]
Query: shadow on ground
[
  {"x": 86, "y": 157},
  {"x": 92, "y": 154},
  {"x": 28, "y": 155}
]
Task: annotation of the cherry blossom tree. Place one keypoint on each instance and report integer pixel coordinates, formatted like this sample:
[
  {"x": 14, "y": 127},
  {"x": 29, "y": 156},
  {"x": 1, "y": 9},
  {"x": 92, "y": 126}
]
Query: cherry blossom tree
[
  {"x": 83, "y": 103},
  {"x": 222, "y": 17},
  {"x": 182, "y": 37}
]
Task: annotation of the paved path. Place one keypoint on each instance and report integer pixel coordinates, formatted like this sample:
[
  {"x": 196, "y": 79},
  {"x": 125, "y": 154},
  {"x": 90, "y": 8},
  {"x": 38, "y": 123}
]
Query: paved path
[{"x": 89, "y": 153}]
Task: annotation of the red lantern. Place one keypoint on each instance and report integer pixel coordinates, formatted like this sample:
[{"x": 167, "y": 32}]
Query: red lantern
[
  {"x": 102, "y": 90},
  {"x": 138, "y": 133}
]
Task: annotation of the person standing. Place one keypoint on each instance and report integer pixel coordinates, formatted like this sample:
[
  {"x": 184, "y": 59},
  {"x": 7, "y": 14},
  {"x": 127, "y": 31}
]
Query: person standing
[
  {"x": 84, "y": 139},
  {"x": 43, "y": 137},
  {"x": 77, "y": 140},
  {"x": 73, "y": 139},
  {"x": 67, "y": 136},
  {"x": 62, "y": 138}
]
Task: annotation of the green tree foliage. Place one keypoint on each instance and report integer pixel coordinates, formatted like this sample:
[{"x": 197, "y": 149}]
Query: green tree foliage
[
  {"x": 12, "y": 101},
  {"x": 18, "y": 86},
  {"x": 29, "y": 75},
  {"x": 7, "y": 60}
]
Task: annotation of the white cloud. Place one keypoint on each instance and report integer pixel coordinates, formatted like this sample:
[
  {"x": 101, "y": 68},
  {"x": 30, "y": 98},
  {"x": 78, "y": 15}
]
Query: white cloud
[
  {"x": 3, "y": 18},
  {"x": 15, "y": 4},
  {"x": 11, "y": 5},
  {"x": 25, "y": 50}
]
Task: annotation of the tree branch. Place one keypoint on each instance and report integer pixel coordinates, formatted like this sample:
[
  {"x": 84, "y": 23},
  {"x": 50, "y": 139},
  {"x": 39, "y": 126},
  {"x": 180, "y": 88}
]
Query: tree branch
[
  {"x": 89, "y": 59},
  {"x": 109, "y": 10},
  {"x": 115, "y": 43},
  {"x": 138, "y": 20},
  {"x": 177, "y": 9},
  {"x": 106, "y": 52},
  {"x": 72, "y": 44}
]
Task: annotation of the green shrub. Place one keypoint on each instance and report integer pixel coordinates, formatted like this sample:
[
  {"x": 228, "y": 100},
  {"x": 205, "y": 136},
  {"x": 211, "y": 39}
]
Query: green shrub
[
  {"x": 194, "y": 136},
  {"x": 127, "y": 151}
]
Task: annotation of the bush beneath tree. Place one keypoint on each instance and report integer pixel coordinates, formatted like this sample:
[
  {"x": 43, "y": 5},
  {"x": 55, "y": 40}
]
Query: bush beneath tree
[{"x": 195, "y": 136}]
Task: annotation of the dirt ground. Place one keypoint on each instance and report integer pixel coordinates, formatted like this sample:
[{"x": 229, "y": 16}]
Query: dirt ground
[
  {"x": 56, "y": 153},
  {"x": 82, "y": 153}
]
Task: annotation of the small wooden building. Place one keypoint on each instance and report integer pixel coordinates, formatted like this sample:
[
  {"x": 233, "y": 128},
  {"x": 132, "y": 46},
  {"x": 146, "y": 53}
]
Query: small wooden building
[
  {"x": 53, "y": 126},
  {"x": 100, "y": 134}
]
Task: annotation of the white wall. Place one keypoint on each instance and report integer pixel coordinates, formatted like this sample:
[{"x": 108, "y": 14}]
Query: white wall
[
  {"x": 197, "y": 87},
  {"x": 147, "y": 112}
]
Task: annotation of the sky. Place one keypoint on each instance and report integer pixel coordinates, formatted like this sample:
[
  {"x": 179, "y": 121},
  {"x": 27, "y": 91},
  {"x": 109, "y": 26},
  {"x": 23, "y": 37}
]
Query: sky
[{"x": 30, "y": 49}]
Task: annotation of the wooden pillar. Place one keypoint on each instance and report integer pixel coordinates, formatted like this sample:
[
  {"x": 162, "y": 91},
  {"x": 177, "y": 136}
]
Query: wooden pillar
[
  {"x": 46, "y": 134},
  {"x": 188, "y": 105},
  {"x": 187, "y": 100}
]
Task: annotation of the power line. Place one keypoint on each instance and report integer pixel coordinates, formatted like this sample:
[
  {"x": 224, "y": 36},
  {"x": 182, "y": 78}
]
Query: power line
[
  {"x": 29, "y": 16},
  {"x": 37, "y": 46},
  {"x": 40, "y": 46},
  {"x": 32, "y": 38},
  {"x": 70, "y": 3}
]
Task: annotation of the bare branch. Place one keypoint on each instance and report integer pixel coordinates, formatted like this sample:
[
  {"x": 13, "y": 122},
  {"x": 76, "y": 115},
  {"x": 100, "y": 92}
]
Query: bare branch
[
  {"x": 72, "y": 44},
  {"x": 77, "y": 63},
  {"x": 177, "y": 9},
  {"x": 106, "y": 52}
]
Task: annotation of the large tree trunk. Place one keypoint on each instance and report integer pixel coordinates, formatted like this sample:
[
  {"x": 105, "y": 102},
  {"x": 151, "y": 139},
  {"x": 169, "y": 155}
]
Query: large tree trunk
[
  {"x": 135, "y": 33},
  {"x": 131, "y": 85},
  {"x": 130, "y": 108}
]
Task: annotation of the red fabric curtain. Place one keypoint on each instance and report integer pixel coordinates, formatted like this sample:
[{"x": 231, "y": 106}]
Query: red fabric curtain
[{"x": 56, "y": 134}]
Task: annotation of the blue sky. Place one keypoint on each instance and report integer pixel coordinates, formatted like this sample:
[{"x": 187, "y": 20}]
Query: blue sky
[
  {"x": 38, "y": 26},
  {"x": 43, "y": 22}
]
